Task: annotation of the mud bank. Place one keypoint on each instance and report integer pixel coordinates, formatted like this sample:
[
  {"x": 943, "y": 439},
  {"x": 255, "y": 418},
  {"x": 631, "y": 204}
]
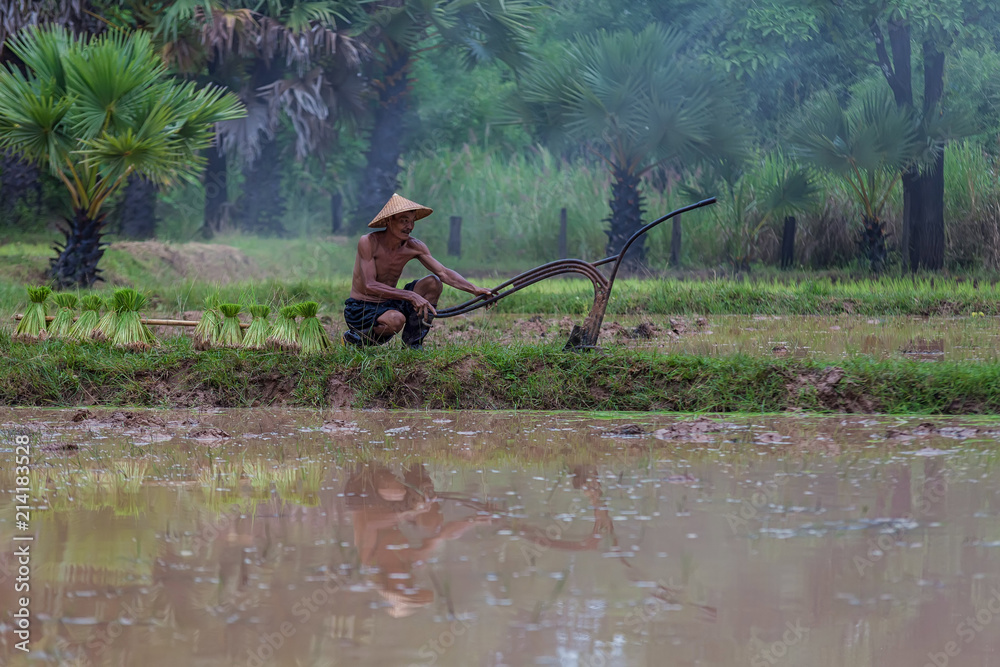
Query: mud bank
[{"x": 487, "y": 377}]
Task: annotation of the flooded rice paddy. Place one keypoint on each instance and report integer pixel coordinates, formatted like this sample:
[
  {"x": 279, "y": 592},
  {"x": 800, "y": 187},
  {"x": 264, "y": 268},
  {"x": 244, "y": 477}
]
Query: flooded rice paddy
[
  {"x": 387, "y": 538},
  {"x": 833, "y": 337}
]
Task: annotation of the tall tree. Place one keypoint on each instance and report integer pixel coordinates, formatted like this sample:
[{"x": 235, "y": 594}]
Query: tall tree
[
  {"x": 95, "y": 111},
  {"x": 291, "y": 57},
  {"x": 637, "y": 102},
  {"x": 871, "y": 145},
  {"x": 934, "y": 28},
  {"x": 20, "y": 178},
  {"x": 398, "y": 31},
  {"x": 896, "y": 34}
]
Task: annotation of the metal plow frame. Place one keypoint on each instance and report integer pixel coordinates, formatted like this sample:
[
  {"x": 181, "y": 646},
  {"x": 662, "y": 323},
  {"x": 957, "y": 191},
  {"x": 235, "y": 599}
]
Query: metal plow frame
[{"x": 583, "y": 337}]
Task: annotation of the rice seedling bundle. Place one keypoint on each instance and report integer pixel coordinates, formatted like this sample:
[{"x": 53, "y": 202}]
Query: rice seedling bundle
[
  {"x": 257, "y": 332},
  {"x": 88, "y": 319},
  {"x": 231, "y": 335},
  {"x": 62, "y": 323},
  {"x": 31, "y": 328},
  {"x": 130, "y": 332},
  {"x": 312, "y": 336},
  {"x": 285, "y": 333},
  {"x": 206, "y": 334},
  {"x": 107, "y": 326}
]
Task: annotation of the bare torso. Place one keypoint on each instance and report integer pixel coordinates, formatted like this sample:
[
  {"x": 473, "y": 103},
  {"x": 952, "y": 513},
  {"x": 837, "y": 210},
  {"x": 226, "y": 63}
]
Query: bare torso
[{"x": 389, "y": 262}]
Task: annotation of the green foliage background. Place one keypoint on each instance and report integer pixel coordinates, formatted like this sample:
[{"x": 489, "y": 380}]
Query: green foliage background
[{"x": 463, "y": 156}]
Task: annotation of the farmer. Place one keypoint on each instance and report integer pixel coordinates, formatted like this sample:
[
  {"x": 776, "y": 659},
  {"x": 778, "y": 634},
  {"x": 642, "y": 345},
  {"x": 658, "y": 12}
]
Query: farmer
[
  {"x": 377, "y": 310},
  {"x": 390, "y": 514}
]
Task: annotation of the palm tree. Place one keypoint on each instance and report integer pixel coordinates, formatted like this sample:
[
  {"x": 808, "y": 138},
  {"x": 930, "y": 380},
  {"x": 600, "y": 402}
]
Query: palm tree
[
  {"x": 20, "y": 180},
  {"x": 398, "y": 31},
  {"x": 870, "y": 144},
  {"x": 95, "y": 111},
  {"x": 638, "y": 103},
  {"x": 291, "y": 57}
]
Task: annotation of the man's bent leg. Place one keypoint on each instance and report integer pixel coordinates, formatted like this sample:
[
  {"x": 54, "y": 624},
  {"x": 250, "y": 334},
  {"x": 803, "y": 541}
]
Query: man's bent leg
[
  {"x": 389, "y": 323},
  {"x": 417, "y": 327}
]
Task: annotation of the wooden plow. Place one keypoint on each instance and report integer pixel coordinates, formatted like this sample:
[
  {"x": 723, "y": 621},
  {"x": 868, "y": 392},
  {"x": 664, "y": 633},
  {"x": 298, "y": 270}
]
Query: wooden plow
[{"x": 582, "y": 337}]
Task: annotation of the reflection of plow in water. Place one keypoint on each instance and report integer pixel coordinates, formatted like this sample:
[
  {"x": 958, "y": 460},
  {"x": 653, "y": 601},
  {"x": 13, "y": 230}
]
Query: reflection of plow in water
[
  {"x": 603, "y": 524},
  {"x": 582, "y": 337}
]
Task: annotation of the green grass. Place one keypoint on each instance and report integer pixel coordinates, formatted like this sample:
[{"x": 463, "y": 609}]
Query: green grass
[
  {"x": 54, "y": 373},
  {"x": 767, "y": 295}
]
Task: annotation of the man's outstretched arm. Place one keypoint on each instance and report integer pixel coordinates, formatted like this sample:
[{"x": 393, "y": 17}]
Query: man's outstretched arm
[{"x": 448, "y": 276}]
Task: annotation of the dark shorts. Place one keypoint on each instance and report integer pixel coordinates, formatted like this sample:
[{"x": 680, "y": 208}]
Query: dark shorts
[{"x": 363, "y": 315}]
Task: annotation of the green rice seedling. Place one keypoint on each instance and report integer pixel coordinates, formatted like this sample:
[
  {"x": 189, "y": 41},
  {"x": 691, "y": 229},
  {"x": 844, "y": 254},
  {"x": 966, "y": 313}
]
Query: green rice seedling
[
  {"x": 257, "y": 332},
  {"x": 107, "y": 326},
  {"x": 62, "y": 323},
  {"x": 312, "y": 336},
  {"x": 31, "y": 328},
  {"x": 258, "y": 472},
  {"x": 131, "y": 333},
  {"x": 206, "y": 334},
  {"x": 285, "y": 333},
  {"x": 231, "y": 335},
  {"x": 88, "y": 319}
]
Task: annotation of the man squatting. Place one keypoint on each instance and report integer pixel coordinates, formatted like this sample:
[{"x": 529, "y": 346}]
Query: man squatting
[{"x": 376, "y": 310}]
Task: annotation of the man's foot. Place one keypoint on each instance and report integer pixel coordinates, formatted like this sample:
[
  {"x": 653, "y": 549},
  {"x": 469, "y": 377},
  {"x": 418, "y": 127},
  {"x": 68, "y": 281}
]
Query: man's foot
[
  {"x": 352, "y": 337},
  {"x": 415, "y": 331}
]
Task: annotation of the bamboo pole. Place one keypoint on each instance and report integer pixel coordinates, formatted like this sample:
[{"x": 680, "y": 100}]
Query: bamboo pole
[{"x": 152, "y": 323}]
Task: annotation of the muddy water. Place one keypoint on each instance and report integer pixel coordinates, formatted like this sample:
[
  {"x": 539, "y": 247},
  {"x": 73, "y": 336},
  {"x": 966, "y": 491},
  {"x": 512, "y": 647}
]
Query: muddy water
[
  {"x": 384, "y": 538},
  {"x": 800, "y": 336}
]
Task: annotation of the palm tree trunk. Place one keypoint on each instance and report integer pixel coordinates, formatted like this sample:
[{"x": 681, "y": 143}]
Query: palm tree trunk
[
  {"x": 262, "y": 205},
  {"x": 76, "y": 263},
  {"x": 928, "y": 249},
  {"x": 215, "y": 191},
  {"x": 626, "y": 217},
  {"x": 386, "y": 142},
  {"x": 873, "y": 244},
  {"x": 20, "y": 181},
  {"x": 137, "y": 209}
]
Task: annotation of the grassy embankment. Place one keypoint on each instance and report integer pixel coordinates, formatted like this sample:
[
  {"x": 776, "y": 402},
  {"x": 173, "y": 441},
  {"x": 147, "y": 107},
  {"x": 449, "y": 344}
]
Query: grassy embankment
[
  {"x": 485, "y": 377},
  {"x": 177, "y": 279}
]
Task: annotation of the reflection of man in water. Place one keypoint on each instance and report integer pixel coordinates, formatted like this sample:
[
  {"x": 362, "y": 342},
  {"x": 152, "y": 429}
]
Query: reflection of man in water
[{"x": 381, "y": 504}]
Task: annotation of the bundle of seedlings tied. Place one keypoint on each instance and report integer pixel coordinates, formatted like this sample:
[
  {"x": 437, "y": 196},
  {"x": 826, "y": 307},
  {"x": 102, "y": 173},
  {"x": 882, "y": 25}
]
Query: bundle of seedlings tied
[
  {"x": 257, "y": 332},
  {"x": 107, "y": 326},
  {"x": 206, "y": 334},
  {"x": 62, "y": 323},
  {"x": 31, "y": 328},
  {"x": 285, "y": 334},
  {"x": 231, "y": 335},
  {"x": 88, "y": 319},
  {"x": 131, "y": 333},
  {"x": 312, "y": 336}
]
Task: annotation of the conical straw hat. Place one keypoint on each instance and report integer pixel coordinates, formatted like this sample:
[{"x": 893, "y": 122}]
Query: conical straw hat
[{"x": 397, "y": 204}]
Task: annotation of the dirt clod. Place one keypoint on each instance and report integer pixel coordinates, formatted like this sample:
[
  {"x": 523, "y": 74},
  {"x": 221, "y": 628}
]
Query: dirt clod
[
  {"x": 210, "y": 433},
  {"x": 698, "y": 430},
  {"x": 626, "y": 430}
]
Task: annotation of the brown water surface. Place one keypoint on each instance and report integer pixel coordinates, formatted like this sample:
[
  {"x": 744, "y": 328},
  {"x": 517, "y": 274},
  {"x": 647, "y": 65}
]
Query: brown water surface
[{"x": 389, "y": 538}]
